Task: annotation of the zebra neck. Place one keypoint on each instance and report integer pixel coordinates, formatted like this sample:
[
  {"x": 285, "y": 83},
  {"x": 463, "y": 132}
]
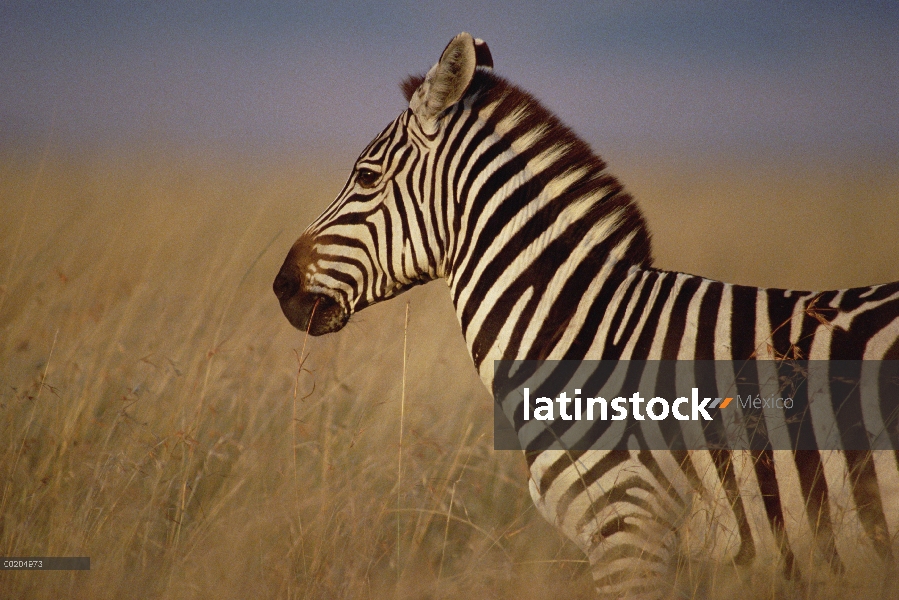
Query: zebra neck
[
  {"x": 568, "y": 274},
  {"x": 531, "y": 269},
  {"x": 533, "y": 219}
]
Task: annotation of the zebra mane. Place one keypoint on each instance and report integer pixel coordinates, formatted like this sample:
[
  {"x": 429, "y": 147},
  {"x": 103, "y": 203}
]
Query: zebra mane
[
  {"x": 488, "y": 88},
  {"x": 531, "y": 116},
  {"x": 410, "y": 84}
]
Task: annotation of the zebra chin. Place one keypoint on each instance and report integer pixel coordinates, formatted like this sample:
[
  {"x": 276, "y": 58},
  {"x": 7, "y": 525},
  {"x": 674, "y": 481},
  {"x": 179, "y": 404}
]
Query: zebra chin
[{"x": 326, "y": 315}]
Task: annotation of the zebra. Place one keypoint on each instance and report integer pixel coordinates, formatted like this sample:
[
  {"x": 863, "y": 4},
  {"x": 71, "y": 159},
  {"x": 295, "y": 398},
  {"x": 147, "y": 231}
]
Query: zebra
[{"x": 547, "y": 257}]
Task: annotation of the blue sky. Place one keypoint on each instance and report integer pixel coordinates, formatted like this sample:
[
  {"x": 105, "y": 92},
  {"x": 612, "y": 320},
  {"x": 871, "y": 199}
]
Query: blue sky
[{"x": 800, "y": 77}]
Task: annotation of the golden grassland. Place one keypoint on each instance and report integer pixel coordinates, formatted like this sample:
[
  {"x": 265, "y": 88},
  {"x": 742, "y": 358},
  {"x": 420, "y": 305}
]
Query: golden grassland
[{"x": 153, "y": 415}]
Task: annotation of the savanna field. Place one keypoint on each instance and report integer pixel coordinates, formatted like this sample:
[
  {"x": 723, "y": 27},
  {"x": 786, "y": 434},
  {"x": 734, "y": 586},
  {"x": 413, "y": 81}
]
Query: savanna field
[{"x": 159, "y": 415}]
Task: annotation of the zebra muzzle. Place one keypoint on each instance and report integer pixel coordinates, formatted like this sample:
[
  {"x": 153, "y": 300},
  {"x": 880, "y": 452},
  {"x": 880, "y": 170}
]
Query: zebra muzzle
[
  {"x": 316, "y": 313},
  {"x": 309, "y": 311}
]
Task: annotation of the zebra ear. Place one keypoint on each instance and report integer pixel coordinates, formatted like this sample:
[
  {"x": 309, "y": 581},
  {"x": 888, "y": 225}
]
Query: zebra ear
[{"x": 446, "y": 82}]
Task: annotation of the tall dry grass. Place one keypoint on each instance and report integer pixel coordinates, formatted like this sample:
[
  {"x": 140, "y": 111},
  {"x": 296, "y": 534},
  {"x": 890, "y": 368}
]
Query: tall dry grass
[{"x": 153, "y": 415}]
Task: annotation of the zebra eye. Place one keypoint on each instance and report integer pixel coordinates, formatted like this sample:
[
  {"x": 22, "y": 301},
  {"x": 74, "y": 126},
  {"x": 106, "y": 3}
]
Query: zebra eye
[{"x": 367, "y": 178}]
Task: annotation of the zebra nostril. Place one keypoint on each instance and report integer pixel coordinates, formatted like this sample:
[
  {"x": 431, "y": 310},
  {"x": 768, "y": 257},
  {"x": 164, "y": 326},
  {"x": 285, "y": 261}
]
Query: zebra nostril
[{"x": 286, "y": 285}]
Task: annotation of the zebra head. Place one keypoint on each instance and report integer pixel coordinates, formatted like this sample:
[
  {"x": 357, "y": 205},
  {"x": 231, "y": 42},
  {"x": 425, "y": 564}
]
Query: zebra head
[{"x": 381, "y": 235}]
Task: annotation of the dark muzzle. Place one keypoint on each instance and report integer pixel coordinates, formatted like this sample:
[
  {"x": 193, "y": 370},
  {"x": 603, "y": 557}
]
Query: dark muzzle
[{"x": 307, "y": 310}]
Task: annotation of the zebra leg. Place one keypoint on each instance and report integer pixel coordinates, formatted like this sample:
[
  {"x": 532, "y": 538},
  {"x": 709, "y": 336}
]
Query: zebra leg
[
  {"x": 631, "y": 557},
  {"x": 616, "y": 511}
]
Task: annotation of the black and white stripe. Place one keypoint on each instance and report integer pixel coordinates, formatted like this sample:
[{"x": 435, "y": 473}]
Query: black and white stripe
[{"x": 546, "y": 257}]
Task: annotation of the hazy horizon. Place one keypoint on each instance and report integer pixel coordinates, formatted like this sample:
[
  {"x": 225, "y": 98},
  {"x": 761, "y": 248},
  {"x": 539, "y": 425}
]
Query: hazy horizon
[{"x": 631, "y": 78}]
